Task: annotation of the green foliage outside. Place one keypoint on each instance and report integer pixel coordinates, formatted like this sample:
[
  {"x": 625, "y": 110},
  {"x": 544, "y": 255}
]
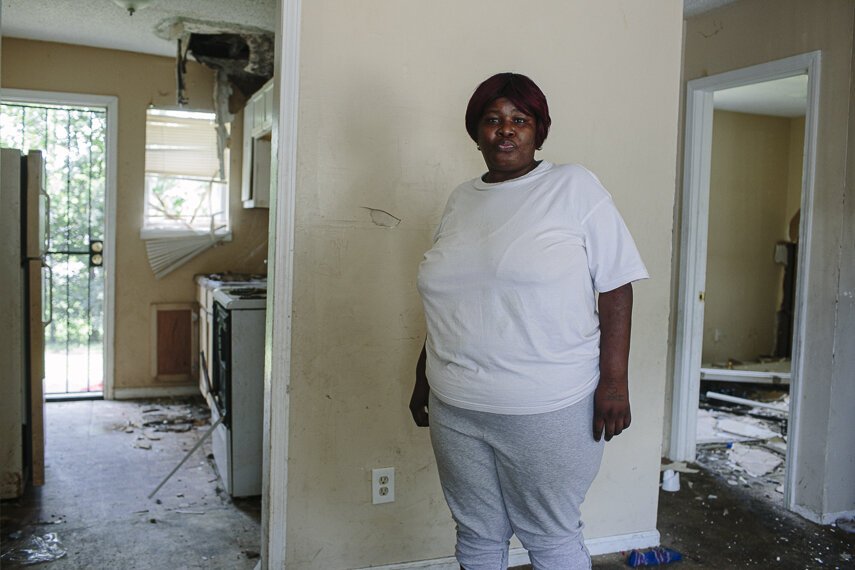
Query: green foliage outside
[{"x": 73, "y": 142}]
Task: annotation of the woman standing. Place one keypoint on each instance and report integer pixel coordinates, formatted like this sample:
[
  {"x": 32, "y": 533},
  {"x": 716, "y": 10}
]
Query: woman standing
[{"x": 524, "y": 369}]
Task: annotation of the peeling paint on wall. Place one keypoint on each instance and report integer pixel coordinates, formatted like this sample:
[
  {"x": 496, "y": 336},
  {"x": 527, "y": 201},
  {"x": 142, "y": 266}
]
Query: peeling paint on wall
[{"x": 383, "y": 218}]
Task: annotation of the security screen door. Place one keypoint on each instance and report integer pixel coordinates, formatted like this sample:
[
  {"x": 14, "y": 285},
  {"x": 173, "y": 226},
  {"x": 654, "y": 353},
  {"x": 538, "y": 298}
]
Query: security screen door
[{"x": 73, "y": 140}]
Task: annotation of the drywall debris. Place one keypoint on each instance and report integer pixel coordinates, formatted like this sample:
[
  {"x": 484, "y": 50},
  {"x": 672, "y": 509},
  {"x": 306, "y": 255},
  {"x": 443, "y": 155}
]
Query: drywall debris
[
  {"x": 383, "y": 218},
  {"x": 777, "y": 444},
  {"x": 721, "y": 427},
  {"x": 34, "y": 549},
  {"x": 678, "y": 466},
  {"x": 746, "y": 428},
  {"x": 746, "y": 402},
  {"x": 151, "y": 435},
  {"x": 756, "y": 462}
]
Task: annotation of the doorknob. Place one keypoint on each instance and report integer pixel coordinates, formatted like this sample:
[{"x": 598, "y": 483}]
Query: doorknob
[{"x": 701, "y": 296}]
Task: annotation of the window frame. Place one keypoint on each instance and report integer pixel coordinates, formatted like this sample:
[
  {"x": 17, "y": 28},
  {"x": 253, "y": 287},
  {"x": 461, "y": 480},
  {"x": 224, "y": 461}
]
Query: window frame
[{"x": 220, "y": 219}]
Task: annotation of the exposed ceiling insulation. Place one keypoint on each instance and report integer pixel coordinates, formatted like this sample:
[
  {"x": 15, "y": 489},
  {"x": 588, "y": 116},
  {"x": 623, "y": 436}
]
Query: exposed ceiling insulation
[{"x": 244, "y": 54}]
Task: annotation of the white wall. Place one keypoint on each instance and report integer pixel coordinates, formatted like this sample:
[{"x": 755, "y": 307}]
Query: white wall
[
  {"x": 749, "y": 174},
  {"x": 383, "y": 90}
]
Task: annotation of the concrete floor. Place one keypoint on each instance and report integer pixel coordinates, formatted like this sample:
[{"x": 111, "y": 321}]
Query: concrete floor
[{"x": 101, "y": 465}]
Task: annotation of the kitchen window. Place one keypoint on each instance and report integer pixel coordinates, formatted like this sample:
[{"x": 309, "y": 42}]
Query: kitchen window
[{"x": 186, "y": 179}]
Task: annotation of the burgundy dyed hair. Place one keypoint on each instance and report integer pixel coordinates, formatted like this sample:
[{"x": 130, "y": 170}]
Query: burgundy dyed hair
[{"x": 519, "y": 90}]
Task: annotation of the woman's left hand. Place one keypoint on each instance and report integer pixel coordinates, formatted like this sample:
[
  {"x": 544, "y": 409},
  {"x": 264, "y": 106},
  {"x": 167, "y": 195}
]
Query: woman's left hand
[
  {"x": 611, "y": 408},
  {"x": 611, "y": 400}
]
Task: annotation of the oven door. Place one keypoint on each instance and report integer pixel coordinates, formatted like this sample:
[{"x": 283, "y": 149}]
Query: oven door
[{"x": 222, "y": 366}]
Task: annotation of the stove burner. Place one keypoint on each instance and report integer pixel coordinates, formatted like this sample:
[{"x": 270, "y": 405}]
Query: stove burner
[
  {"x": 248, "y": 292},
  {"x": 228, "y": 277}
]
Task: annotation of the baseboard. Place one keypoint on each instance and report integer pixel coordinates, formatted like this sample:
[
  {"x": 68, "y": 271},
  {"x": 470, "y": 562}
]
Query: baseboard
[
  {"x": 622, "y": 542},
  {"x": 154, "y": 392},
  {"x": 823, "y": 519},
  {"x": 518, "y": 556}
]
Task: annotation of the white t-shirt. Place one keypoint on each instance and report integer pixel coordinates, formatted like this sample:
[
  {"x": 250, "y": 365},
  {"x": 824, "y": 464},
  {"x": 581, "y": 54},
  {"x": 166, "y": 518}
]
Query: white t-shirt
[{"x": 509, "y": 290}]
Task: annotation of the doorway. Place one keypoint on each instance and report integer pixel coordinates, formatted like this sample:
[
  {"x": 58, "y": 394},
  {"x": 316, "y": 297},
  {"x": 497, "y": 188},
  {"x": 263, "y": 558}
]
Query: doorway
[
  {"x": 74, "y": 133},
  {"x": 695, "y": 347}
]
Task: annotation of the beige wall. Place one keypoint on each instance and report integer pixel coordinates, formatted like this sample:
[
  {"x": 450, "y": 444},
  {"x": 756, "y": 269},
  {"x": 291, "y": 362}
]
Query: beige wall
[
  {"x": 794, "y": 174},
  {"x": 747, "y": 217},
  {"x": 138, "y": 81},
  {"x": 756, "y": 31},
  {"x": 384, "y": 85}
]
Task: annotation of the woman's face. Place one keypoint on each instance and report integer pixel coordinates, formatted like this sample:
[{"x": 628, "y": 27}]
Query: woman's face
[{"x": 506, "y": 138}]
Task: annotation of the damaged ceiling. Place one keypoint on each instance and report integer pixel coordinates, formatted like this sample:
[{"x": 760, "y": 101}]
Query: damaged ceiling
[
  {"x": 104, "y": 24},
  {"x": 233, "y": 37},
  {"x": 241, "y": 54}
]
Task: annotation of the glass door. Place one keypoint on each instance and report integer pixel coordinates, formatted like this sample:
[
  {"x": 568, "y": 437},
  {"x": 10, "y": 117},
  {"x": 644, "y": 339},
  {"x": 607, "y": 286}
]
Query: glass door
[{"x": 73, "y": 140}]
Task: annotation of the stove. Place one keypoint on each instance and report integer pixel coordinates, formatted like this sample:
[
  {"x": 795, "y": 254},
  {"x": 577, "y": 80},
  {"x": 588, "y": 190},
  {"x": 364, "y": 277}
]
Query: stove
[
  {"x": 241, "y": 297},
  {"x": 232, "y": 329}
]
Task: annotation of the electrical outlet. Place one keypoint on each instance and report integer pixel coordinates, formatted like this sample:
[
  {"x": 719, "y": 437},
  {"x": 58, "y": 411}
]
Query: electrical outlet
[{"x": 382, "y": 485}]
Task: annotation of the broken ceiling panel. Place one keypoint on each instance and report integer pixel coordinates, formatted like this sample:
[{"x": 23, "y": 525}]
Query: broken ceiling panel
[{"x": 243, "y": 53}]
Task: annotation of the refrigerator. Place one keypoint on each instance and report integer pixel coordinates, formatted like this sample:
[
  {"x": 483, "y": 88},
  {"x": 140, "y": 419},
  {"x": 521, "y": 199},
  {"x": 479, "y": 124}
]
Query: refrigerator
[{"x": 25, "y": 280}]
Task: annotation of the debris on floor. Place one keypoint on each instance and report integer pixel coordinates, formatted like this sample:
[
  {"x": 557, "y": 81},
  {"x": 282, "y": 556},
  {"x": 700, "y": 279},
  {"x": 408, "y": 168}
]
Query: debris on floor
[
  {"x": 742, "y": 437},
  {"x": 716, "y": 525},
  {"x": 755, "y": 461},
  {"x": 151, "y": 422},
  {"x": 678, "y": 466},
  {"x": 717, "y": 425},
  {"x": 33, "y": 549}
]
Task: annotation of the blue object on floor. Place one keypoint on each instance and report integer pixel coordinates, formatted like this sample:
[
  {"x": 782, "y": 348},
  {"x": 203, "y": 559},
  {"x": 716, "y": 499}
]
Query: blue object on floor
[{"x": 652, "y": 557}]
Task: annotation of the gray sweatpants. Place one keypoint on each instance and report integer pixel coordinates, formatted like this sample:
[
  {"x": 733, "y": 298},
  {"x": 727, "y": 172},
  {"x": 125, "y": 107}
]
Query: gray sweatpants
[{"x": 516, "y": 474}]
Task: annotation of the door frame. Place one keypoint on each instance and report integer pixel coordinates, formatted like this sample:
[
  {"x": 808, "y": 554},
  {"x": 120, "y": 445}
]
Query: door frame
[
  {"x": 111, "y": 104},
  {"x": 697, "y": 157},
  {"x": 280, "y": 275}
]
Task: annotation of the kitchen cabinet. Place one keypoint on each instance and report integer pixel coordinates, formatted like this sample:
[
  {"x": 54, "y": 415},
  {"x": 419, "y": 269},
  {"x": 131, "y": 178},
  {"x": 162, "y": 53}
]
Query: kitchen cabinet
[{"x": 257, "y": 131}]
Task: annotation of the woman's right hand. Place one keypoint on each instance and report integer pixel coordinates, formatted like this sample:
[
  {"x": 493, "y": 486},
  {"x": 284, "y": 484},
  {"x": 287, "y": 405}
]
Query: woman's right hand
[{"x": 421, "y": 393}]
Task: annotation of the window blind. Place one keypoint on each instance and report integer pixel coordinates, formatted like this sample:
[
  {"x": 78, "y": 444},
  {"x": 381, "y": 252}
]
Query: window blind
[
  {"x": 181, "y": 144},
  {"x": 186, "y": 197}
]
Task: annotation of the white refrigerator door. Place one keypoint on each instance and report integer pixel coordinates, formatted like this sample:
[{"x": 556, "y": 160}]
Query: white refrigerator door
[
  {"x": 12, "y": 332},
  {"x": 38, "y": 206},
  {"x": 35, "y": 311}
]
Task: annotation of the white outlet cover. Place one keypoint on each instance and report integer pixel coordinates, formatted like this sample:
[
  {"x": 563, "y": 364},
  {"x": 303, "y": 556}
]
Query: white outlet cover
[{"x": 382, "y": 485}]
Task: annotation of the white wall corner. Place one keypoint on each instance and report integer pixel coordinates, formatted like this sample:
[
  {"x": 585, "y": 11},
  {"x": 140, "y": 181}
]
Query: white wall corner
[{"x": 822, "y": 518}]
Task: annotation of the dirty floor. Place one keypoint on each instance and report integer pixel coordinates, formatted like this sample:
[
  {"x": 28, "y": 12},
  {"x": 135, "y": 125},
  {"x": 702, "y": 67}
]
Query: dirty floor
[
  {"x": 102, "y": 462},
  {"x": 721, "y": 526}
]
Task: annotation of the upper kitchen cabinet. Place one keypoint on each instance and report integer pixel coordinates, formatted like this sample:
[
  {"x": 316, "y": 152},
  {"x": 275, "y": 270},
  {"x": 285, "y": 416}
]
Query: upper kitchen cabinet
[{"x": 257, "y": 130}]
